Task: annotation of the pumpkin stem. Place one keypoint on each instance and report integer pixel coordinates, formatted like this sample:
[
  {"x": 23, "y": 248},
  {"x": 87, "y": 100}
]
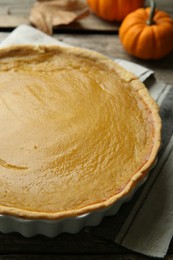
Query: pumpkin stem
[{"x": 150, "y": 20}]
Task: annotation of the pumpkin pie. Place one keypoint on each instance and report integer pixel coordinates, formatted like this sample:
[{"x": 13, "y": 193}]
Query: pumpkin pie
[{"x": 77, "y": 131}]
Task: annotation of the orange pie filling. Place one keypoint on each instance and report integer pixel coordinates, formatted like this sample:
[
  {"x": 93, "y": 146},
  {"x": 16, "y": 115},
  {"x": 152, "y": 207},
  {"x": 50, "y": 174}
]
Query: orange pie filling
[{"x": 77, "y": 131}]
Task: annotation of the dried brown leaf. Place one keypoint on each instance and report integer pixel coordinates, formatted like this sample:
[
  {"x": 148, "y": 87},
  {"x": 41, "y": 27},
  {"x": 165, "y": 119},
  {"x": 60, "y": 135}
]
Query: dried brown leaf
[{"x": 47, "y": 14}]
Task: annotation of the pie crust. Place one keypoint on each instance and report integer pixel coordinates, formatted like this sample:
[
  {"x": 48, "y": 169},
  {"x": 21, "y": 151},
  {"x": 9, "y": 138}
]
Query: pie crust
[{"x": 77, "y": 133}]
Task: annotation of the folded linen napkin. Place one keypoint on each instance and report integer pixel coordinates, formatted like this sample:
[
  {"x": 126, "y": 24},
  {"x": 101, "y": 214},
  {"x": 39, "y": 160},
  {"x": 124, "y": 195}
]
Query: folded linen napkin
[
  {"x": 145, "y": 224},
  {"x": 25, "y": 34}
]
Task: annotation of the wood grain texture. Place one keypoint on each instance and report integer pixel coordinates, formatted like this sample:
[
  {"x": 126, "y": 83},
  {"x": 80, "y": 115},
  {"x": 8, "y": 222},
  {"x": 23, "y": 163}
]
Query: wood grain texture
[
  {"x": 78, "y": 257},
  {"x": 111, "y": 46},
  {"x": 14, "y": 13},
  {"x": 83, "y": 245}
]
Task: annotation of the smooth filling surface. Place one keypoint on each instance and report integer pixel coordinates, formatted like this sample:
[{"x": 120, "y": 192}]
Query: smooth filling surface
[{"x": 72, "y": 133}]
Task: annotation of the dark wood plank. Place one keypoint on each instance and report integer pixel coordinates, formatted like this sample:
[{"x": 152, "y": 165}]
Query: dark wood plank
[
  {"x": 74, "y": 257},
  {"x": 111, "y": 46},
  {"x": 82, "y": 245},
  {"x": 14, "y": 13}
]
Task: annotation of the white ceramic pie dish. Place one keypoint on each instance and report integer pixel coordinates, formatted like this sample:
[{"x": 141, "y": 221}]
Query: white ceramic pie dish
[{"x": 52, "y": 228}]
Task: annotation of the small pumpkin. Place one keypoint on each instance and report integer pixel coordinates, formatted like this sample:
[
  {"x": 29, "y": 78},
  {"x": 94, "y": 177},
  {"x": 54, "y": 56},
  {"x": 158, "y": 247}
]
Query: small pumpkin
[
  {"x": 111, "y": 10},
  {"x": 147, "y": 33}
]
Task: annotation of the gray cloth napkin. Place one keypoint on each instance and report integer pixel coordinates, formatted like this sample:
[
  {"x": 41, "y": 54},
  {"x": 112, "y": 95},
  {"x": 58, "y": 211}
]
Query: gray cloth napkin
[
  {"x": 145, "y": 224},
  {"x": 25, "y": 34}
]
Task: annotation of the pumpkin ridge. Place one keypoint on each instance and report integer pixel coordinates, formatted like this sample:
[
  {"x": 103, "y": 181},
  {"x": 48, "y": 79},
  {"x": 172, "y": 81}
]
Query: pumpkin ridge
[
  {"x": 163, "y": 21},
  {"x": 147, "y": 41},
  {"x": 132, "y": 44},
  {"x": 111, "y": 10},
  {"x": 132, "y": 24},
  {"x": 157, "y": 42},
  {"x": 161, "y": 14},
  {"x": 154, "y": 42},
  {"x": 140, "y": 43},
  {"x": 161, "y": 51}
]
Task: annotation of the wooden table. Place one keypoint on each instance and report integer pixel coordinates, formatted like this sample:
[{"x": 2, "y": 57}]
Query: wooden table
[{"x": 102, "y": 37}]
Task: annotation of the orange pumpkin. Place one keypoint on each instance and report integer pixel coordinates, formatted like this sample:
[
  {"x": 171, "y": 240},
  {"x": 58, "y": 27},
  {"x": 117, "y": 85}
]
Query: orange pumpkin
[
  {"x": 147, "y": 33},
  {"x": 111, "y": 10}
]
